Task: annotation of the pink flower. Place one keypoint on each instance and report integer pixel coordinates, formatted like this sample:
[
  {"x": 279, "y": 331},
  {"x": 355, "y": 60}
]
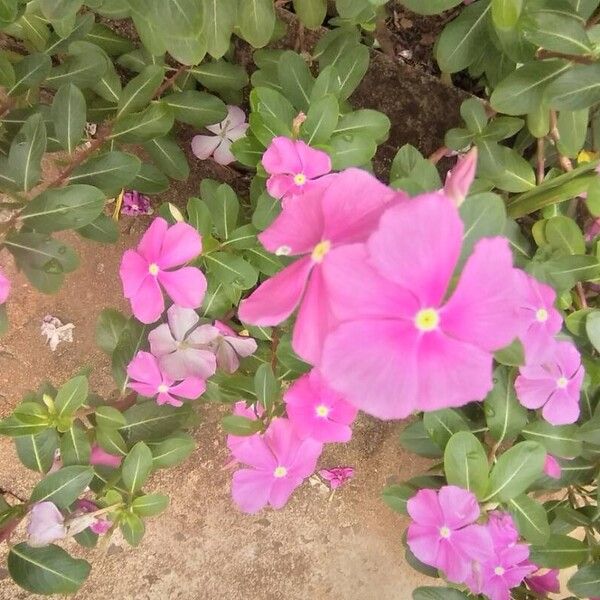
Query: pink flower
[
  {"x": 5, "y": 286},
  {"x": 460, "y": 178},
  {"x": 232, "y": 128},
  {"x": 99, "y": 457},
  {"x": 552, "y": 467},
  {"x": 547, "y": 583},
  {"x": 403, "y": 345},
  {"x": 539, "y": 320},
  {"x": 46, "y": 525},
  {"x": 554, "y": 385},
  {"x": 443, "y": 534},
  {"x": 293, "y": 166},
  {"x": 337, "y": 476},
  {"x": 250, "y": 412},
  {"x": 100, "y": 525},
  {"x": 592, "y": 229},
  {"x": 144, "y": 270},
  {"x": 316, "y": 411},
  {"x": 343, "y": 210},
  {"x": 135, "y": 204},
  {"x": 228, "y": 346},
  {"x": 280, "y": 462},
  {"x": 182, "y": 345},
  {"x": 150, "y": 381}
]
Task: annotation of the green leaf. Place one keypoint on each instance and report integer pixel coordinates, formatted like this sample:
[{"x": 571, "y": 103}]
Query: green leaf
[
  {"x": 172, "y": 451},
  {"x": 266, "y": 387},
  {"x": 530, "y": 518},
  {"x": 109, "y": 327},
  {"x": 397, "y": 497},
  {"x": 430, "y": 7},
  {"x": 220, "y": 76},
  {"x": 271, "y": 103},
  {"x": 576, "y": 89},
  {"x": 26, "y": 152},
  {"x": 296, "y": 79},
  {"x": 101, "y": 229},
  {"x": 83, "y": 67},
  {"x": 63, "y": 487},
  {"x": 465, "y": 463},
  {"x": 590, "y": 430},
  {"x": 515, "y": 471},
  {"x": 572, "y": 128},
  {"x": 351, "y": 150},
  {"x": 321, "y": 120},
  {"x": 592, "y": 328},
  {"x": 47, "y": 570},
  {"x": 36, "y": 452},
  {"x": 68, "y": 114},
  {"x": 351, "y": 68},
  {"x": 441, "y": 425},
  {"x": 559, "y": 552},
  {"x": 132, "y": 528},
  {"x": 506, "y": 13},
  {"x": 219, "y": 19},
  {"x": 150, "y": 422},
  {"x": 140, "y": 90},
  {"x": 223, "y": 205},
  {"x": 473, "y": 113},
  {"x": 438, "y": 593},
  {"x": 168, "y": 157},
  {"x": 56, "y": 10},
  {"x": 137, "y": 467},
  {"x": 556, "y": 32},
  {"x": 506, "y": 168},
  {"x": 365, "y": 121},
  {"x": 241, "y": 426},
  {"x": 65, "y": 208},
  {"x": 150, "y": 505},
  {"x": 564, "y": 234},
  {"x": 30, "y": 72},
  {"x": 230, "y": 269},
  {"x": 111, "y": 171},
  {"x": 559, "y": 440},
  {"x": 150, "y": 180},
  {"x": 199, "y": 216},
  {"x": 415, "y": 438},
  {"x": 8, "y": 11},
  {"x": 13, "y": 427},
  {"x": 155, "y": 121},
  {"x": 108, "y": 417},
  {"x": 7, "y": 72},
  {"x": 75, "y": 448},
  {"x": 311, "y": 12},
  {"x": 586, "y": 582},
  {"x": 242, "y": 238},
  {"x": 112, "y": 43},
  {"x": 256, "y": 20},
  {"x": 71, "y": 396},
  {"x": 111, "y": 441},
  {"x": 196, "y": 108}
]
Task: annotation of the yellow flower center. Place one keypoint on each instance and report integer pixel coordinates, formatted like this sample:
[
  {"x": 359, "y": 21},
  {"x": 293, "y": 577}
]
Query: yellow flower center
[
  {"x": 541, "y": 315},
  {"x": 585, "y": 156},
  {"x": 562, "y": 383},
  {"x": 499, "y": 571},
  {"x": 153, "y": 269},
  {"x": 280, "y": 472},
  {"x": 322, "y": 411},
  {"x": 427, "y": 319},
  {"x": 163, "y": 389},
  {"x": 445, "y": 532},
  {"x": 320, "y": 250},
  {"x": 300, "y": 179}
]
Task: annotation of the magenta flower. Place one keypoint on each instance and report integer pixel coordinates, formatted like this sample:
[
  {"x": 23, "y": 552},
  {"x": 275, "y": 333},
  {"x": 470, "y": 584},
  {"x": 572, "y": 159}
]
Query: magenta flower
[
  {"x": 316, "y": 411},
  {"x": 144, "y": 270},
  {"x": 403, "y": 345},
  {"x": 539, "y": 320},
  {"x": 337, "y": 476},
  {"x": 135, "y": 204},
  {"x": 229, "y": 347},
  {"x": 554, "y": 385},
  {"x": 150, "y": 381},
  {"x": 546, "y": 583},
  {"x": 100, "y": 458},
  {"x": 293, "y": 167},
  {"x": 232, "y": 128},
  {"x": 280, "y": 462},
  {"x": 460, "y": 178},
  {"x": 182, "y": 345},
  {"x": 443, "y": 533},
  {"x": 5, "y": 286},
  {"x": 46, "y": 525},
  {"x": 99, "y": 525},
  {"x": 250, "y": 412},
  {"x": 552, "y": 467},
  {"x": 341, "y": 211}
]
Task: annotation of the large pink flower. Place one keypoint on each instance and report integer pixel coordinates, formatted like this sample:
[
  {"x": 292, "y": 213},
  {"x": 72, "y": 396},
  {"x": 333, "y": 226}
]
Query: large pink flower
[
  {"x": 443, "y": 533},
  {"x": 342, "y": 211},
  {"x": 149, "y": 381},
  {"x": 293, "y": 166},
  {"x": 544, "y": 583},
  {"x": 250, "y": 412},
  {"x": 316, "y": 411},
  {"x": 404, "y": 347},
  {"x": 144, "y": 270},
  {"x": 280, "y": 462},
  {"x": 554, "y": 385}
]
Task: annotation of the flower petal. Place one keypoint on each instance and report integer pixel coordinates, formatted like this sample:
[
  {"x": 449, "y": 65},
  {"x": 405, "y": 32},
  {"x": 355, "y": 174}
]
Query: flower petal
[
  {"x": 251, "y": 489},
  {"x": 282, "y": 489},
  {"x": 186, "y": 286},
  {"x": 235, "y": 116},
  {"x": 181, "y": 321},
  {"x": 459, "y": 506},
  {"x": 203, "y": 146},
  {"x": 424, "y": 508},
  {"x": 181, "y": 244},
  {"x": 161, "y": 341},
  {"x": 281, "y": 185},
  {"x": 148, "y": 304},
  {"x": 256, "y": 453},
  {"x": 189, "y": 362},
  {"x": 144, "y": 368},
  {"x": 223, "y": 154},
  {"x": 190, "y": 388},
  {"x": 150, "y": 245},
  {"x": 133, "y": 271},
  {"x": 314, "y": 162},
  {"x": 281, "y": 157},
  {"x": 237, "y": 132}
]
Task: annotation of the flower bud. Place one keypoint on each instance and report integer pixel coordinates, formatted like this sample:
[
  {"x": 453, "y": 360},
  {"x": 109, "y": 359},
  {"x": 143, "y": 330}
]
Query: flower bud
[{"x": 460, "y": 178}]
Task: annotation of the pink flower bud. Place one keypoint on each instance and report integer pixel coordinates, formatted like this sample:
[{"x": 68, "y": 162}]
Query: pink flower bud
[
  {"x": 552, "y": 467},
  {"x": 102, "y": 458},
  {"x": 460, "y": 178}
]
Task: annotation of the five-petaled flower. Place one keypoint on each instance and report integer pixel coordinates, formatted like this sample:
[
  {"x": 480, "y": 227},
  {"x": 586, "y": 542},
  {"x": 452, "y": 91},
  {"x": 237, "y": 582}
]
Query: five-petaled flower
[{"x": 229, "y": 347}]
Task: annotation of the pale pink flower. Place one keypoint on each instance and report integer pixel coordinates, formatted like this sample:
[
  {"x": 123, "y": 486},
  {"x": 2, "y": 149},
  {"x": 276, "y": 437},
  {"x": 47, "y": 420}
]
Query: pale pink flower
[
  {"x": 341, "y": 211},
  {"x": 250, "y": 412},
  {"x": 539, "y": 321},
  {"x": 546, "y": 583},
  {"x": 592, "y": 229},
  {"x": 135, "y": 204},
  {"x": 99, "y": 525},
  {"x": 316, "y": 411},
  {"x": 232, "y": 128},
  {"x": 100, "y": 458},
  {"x": 554, "y": 385},
  {"x": 460, "y": 178},
  {"x": 182, "y": 345},
  {"x": 280, "y": 461},
  {"x": 552, "y": 467},
  {"x": 293, "y": 166},
  {"x": 46, "y": 525},
  {"x": 337, "y": 476},
  {"x": 402, "y": 344},
  {"x": 5, "y": 287},
  {"x": 229, "y": 347},
  {"x": 145, "y": 270},
  {"x": 443, "y": 533},
  {"x": 148, "y": 380}
]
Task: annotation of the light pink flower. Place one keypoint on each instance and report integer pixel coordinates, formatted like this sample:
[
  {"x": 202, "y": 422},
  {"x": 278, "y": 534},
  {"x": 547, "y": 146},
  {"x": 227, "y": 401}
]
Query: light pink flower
[
  {"x": 135, "y": 204},
  {"x": 150, "y": 381},
  {"x": 144, "y": 270},
  {"x": 279, "y": 461},
  {"x": 250, "y": 412},
  {"x": 229, "y": 347},
  {"x": 460, "y": 178},
  {"x": 99, "y": 457},
  {"x": 443, "y": 533},
  {"x": 337, "y": 476},
  {"x": 539, "y": 321},
  {"x": 46, "y": 525},
  {"x": 552, "y": 467},
  {"x": 182, "y": 346},
  {"x": 554, "y": 385},
  {"x": 592, "y": 229},
  {"x": 232, "y": 128},
  {"x": 293, "y": 166},
  {"x": 316, "y": 411},
  {"x": 546, "y": 583},
  {"x": 5, "y": 287},
  {"x": 403, "y": 345},
  {"x": 99, "y": 525},
  {"x": 341, "y": 211}
]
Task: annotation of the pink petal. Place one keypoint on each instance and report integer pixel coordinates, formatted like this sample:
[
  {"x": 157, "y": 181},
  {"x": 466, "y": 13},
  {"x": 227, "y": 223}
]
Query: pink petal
[
  {"x": 166, "y": 398},
  {"x": 424, "y": 508},
  {"x": 459, "y": 506},
  {"x": 190, "y": 388},
  {"x": 235, "y": 116},
  {"x": 424, "y": 542},
  {"x": 282, "y": 489},
  {"x": 216, "y": 128},
  {"x": 181, "y": 244},
  {"x": 181, "y": 320},
  {"x": 186, "y": 286},
  {"x": 133, "y": 271},
  {"x": 534, "y": 393},
  {"x": 561, "y": 408},
  {"x": 143, "y": 389},
  {"x": 205, "y": 334},
  {"x": 423, "y": 258},
  {"x": 474, "y": 541},
  {"x": 203, "y": 146},
  {"x": 190, "y": 362},
  {"x": 144, "y": 368},
  {"x": 243, "y": 346},
  {"x": 99, "y": 457},
  {"x": 251, "y": 489},
  {"x": 314, "y": 162},
  {"x": 256, "y": 453},
  {"x": 281, "y": 157},
  {"x": 148, "y": 303},
  {"x": 223, "y": 154},
  {"x": 552, "y": 467},
  {"x": 275, "y": 300},
  {"x": 460, "y": 178},
  {"x": 237, "y": 132},
  {"x": 281, "y": 185},
  {"x": 150, "y": 245},
  {"x": 227, "y": 358},
  {"x": 161, "y": 341},
  {"x": 5, "y": 287}
]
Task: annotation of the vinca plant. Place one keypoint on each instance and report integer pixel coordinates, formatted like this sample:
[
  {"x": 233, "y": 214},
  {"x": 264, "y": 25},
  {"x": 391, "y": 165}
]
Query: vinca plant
[{"x": 461, "y": 295}]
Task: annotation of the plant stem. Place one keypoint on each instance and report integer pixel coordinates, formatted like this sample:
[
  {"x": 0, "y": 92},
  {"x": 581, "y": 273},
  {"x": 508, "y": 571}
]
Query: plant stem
[
  {"x": 170, "y": 81},
  {"x": 541, "y": 160},
  {"x": 438, "y": 155},
  {"x": 581, "y": 59}
]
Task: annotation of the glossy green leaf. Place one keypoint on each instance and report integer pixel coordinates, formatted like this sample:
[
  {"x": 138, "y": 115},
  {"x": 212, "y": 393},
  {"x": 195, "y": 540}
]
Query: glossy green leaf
[
  {"x": 69, "y": 116},
  {"x": 132, "y": 528},
  {"x": 149, "y": 422},
  {"x": 438, "y": 593},
  {"x": 321, "y": 121},
  {"x": 559, "y": 552},
  {"x": 563, "y": 234},
  {"x": 296, "y": 79},
  {"x": 311, "y": 12},
  {"x": 256, "y": 20},
  {"x": 466, "y": 464},
  {"x": 75, "y": 447},
  {"x": 441, "y": 425},
  {"x": 109, "y": 327},
  {"x": 112, "y": 43},
  {"x": 102, "y": 229},
  {"x": 241, "y": 426},
  {"x": 155, "y": 121},
  {"x": 172, "y": 451},
  {"x": 26, "y": 152},
  {"x": 64, "y": 486},
  {"x": 140, "y": 90},
  {"x": 150, "y": 180},
  {"x": 150, "y": 505},
  {"x": 220, "y": 76},
  {"x": 108, "y": 417},
  {"x": 196, "y": 108},
  {"x": 30, "y": 72},
  {"x": 36, "y": 452},
  {"x": 219, "y": 19},
  {"x": 168, "y": 157},
  {"x": 110, "y": 171},
  {"x": 530, "y": 518},
  {"x": 575, "y": 89},
  {"x": 586, "y": 582},
  {"x": 71, "y": 396},
  {"x": 559, "y": 440},
  {"x": 136, "y": 467}
]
